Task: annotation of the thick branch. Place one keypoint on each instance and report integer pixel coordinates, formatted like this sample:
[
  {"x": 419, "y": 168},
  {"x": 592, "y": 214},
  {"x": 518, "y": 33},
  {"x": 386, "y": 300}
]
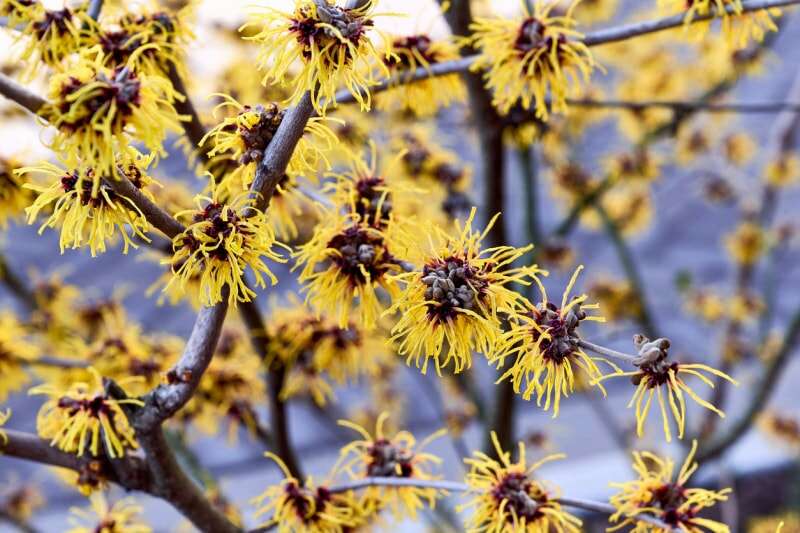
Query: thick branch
[
  {"x": 171, "y": 483},
  {"x": 95, "y": 6},
  {"x": 166, "y": 399}
]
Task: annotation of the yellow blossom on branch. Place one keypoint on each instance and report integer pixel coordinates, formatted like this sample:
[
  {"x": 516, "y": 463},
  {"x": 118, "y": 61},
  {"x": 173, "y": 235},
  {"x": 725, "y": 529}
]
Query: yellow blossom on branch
[
  {"x": 458, "y": 300},
  {"x": 87, "y": 211},
  {"x": 657, "y": 376},
  {"x": 294, "y": 506},
  {"x": 507, "y": 498},
  {"x": 99, "y": 111},
  {"x": 330, "y": 42},
  {"x": 16, "y": 350},
  {"x": 221, "y": 242},
  {"x": 527, "y": 60},
  {"x": 659, "y": 493},
  {"x": 398, "y": 457},
  {"x": 84, "y": 417},
  {"x": 545, "y": 346}
]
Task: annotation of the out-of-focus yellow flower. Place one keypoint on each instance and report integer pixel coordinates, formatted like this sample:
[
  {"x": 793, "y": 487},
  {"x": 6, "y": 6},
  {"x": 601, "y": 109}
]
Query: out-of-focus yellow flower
[
  {"x": 49, "y": 35},
  {"x": 639, "y": 166},
  {"x": 506, "y": 498},
  {"x": 15, "y": 351},
  {"x": 123, "y": 516},
  {"x": 658, "y": 493},
  {"x": 747, "y": 243},
  {"x": 399, "y": 457},
  {"x": 738, "y": 148},
  {"x": 318, "y": 353},
  {"x": 330, "y": 42},
  {"x": 4, "y": 417},
  {"x": 738, "y": 27},
  {"x": 788, "y": 522},
  {"x": 423, "y": 97},
  {"x": 20, "y": 499},
  {"x": 221, "y": 242},
  {"x": 657, "y": 376},
  {"x": 14, "y": 196},
  {"x": 594, "y": 11},
  {"x": 527, "y": 60},
  {"x": 544, "y": 345},
  {"x": 150, "y": 42},
  {"x": 784, "y": 171},
  {"x": 692, "y": 141},
  {"x": 294, "y": 506},
  {"x": 781, "y": 427},
  {"x": 88, "y": 211},
  {"x": 230, "y": 389},
  {"x": 84, "y": 417},
  {"x": 100, "y": 111},
  {"x": 617, "y": 298},
  {"x": 706, "y": 305},
  {"x": 458, "y": 299}
]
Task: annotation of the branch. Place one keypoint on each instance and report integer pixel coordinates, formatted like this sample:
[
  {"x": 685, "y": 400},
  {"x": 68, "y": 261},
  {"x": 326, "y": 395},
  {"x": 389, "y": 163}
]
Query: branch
[
  {"x": 155, "y": 215},
  {"x": 608, "y": 352},
  {"x": 171, "y": 483},
  {"x": 610, "y": 35},
  {"x": 280, "y": 150},
  {"x": 15, "y": 285},
  {"x": 194, "y": 129},
  {"x": 760, "y": 397},
  {"x": 454, "y": 486},
  {"x": 165, "y": 400},
  {"x": 275, "y": 380},
  {"x": 21, "y": 95},
  {"x": 95, "y": 6}
]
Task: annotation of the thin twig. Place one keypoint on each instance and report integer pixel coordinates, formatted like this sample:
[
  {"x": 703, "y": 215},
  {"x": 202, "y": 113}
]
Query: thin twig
[
  {"x": 608, "y": 352},
  {"x": 610, "y": 35},
  {"x": 95, "y": 6},
  {"x": 15, "y": 285},
  {"x": 21, "y": 95},
  {"x": 154, "y": 214},
  {"x": 631, "y": 270},
  {"x": 55, "y": 362},
  {"x": 194, "y": 129}
]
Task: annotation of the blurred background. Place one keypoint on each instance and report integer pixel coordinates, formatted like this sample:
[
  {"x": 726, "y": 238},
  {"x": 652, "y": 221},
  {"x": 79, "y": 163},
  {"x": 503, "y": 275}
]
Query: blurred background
[{"x": 672, "y": 226}]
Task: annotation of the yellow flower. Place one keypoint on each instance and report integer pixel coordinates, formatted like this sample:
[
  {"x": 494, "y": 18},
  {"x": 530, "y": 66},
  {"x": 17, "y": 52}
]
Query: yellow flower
[
  {"x": 221, "y": 242},
  {"x": 508, "y": 499},
  {"x": 781, "y": 427},
  {"x": 100, "y": 111},
  {"x": 20, "y": 500},
  {"x": 657, "y": 376},
  {"x": 148, "y": 42},
  {"x": 692, "y": 142},
  {"x": 331, "y": 43},
  {"x": 399, "y": 457},
  {"x": 424, "y": 97},
  {"x": 317, "y": 352},
  {"x": 738, "y": 27},
  {"x": 88, "y": 211},
  {"x": 230, "y": 389},
  {"x": 544, "y": 343},
  {"x": 784, "y": 171},
  {"x": 739, "y": 148},
  {"x": 51, "y": 35},
  {"x": 296, "y": 506},
  {"x": 616, "y": 298},
  {"x": 706, "y": 305},
  {"x": 14, "y": 196},
  {"x": 120, "y": 517},
  {"x": 345, "y": 264},
  {"x": 747, "y": 243},
  {"x": 20, "y": 11},
  {"x": 15, "y": 351},
  {"x": 244, "y": 137},
  {"x": 85, "y": 417},
  {"x": 458, "y": 299},
  {"x": 657, "y": 493},
  {"x": 529, "y": 59}
]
